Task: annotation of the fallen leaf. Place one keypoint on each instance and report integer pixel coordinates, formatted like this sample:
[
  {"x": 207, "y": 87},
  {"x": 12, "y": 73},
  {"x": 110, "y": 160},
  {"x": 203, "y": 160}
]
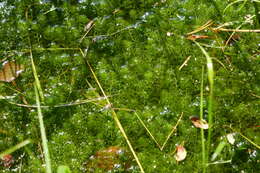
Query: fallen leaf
[
  {"x": 169, "y": 34},
  {"x": 7, "y": 160},
  {"x": 199, "y": 123},
  {"x": 195, "y": 37},
  {"x": 109, "y": 159},
  {"x": 116, "y": 11},
  {"x": 89, "y": 25},
  {"x": 230, "y": 138},
  {"x": 10, "y": 71},
  {"x": 107, "y": 106},
  {"x": 181, "y": 153}
]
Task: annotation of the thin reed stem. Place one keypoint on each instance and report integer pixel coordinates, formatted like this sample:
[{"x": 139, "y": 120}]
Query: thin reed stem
[
  {"x": 210, "y": 98},
  {"x": 43, "y": 133},
  {"x": 37, "y": 81},
  {"x": 201, "y": 117},
  {"x": 14, "y": 148}
]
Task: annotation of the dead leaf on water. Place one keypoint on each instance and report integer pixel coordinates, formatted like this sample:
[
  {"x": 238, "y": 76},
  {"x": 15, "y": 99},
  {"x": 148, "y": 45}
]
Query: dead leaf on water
[
  {"x": 181, "y": 153},
  {"x": 10, "y": 71},
  {"x": 230, "y": 138},
  {"x": 89, "y": 25},
  {"x": 109, "y": 159},
  {"x": 195, "y": 37},
  {"x": 199, "y": 123},
  {"x": 7, "y": 161}
]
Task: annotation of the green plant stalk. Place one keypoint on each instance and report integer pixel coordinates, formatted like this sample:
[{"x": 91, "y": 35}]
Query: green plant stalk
[
  {"x": 220, "y": 162},
  {"x": 250, "y": 141},
  {"x": 37, "y": 81},
  {"x": 210, "y": 99},
  {"x": 115, "y": 117},
  {"x": 218, "y": 150},
  {"x": 39, "y": 49},
  {"x": 63, "y": 169},
  {"x": 210, "y": 118},
  {"x": 14, "y": 148},
  {"x": 202, "y": 130},
  {"x": 246, "y": 138},
  {"x": 43, "y": 134},
  {"x": 232, "y": 3},
  {"x": 257, "y": 14}
]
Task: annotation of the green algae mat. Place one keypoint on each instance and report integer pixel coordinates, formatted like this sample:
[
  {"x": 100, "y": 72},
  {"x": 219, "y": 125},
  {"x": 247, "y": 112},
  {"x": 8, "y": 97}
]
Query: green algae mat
[{"x": 129, "y": 86}]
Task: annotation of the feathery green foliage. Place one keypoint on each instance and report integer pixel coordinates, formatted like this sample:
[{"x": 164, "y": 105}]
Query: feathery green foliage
[{"x": 141, "y": 55}]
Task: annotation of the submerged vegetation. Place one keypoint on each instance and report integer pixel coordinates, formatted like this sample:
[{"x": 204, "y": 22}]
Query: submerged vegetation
[{"x": 129, "y": 86}]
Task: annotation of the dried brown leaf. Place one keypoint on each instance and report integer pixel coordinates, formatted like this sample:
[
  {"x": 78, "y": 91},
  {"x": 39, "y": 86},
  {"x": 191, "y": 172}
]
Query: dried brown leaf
[
  {"x": 199, "y": 123},
  {"x": 7, "y": 160},
  {"x": 230, "y": 138},
  {"x": 10, "y": 71},
  {"x": 181, "y": 153}
]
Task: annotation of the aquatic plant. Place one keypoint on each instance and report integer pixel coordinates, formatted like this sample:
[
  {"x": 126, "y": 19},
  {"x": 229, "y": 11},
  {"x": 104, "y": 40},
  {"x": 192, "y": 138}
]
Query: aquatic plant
[{"x": 130, "y": 74}]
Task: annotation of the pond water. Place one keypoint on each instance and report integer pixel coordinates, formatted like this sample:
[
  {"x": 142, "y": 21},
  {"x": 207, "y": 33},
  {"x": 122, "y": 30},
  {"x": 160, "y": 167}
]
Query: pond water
[{"x": 146, "y": 58}]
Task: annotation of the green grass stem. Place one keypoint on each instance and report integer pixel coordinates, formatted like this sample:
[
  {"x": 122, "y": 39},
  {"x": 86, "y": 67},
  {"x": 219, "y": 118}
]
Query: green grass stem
[
  {"x": 246, "y": 138},
  {"x": 14, "y": 148},
  {"x": 63, "y": 169},
  {"x": 37, "y": 81},
  {"x": 43, "y": 133},
  {"x": 250, "y": 141},
  {"x": 201, "y": 117},
  {"x": 257, "y": 13},
  {"x": 218, "y": 150},
  {"x": 234, "y": 2},
  {"x": 210, "y": 98}
]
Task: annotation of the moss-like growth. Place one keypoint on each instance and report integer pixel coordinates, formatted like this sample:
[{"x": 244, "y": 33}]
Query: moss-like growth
[{"x": 136, "y": 49}]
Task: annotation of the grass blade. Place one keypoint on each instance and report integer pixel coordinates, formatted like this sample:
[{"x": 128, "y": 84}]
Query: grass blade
[
  {"x": 63, "y": 169},
  {"x": 14, "y": 148},
  {"x": 37, "y": 81},
  {"x": 43, "y": 134},
  {"x": 201, "y": 117},
  {"x": 246, "y": 138},
  {"x": 232, "y": 3},
  {"x": 218, "y": 150}
]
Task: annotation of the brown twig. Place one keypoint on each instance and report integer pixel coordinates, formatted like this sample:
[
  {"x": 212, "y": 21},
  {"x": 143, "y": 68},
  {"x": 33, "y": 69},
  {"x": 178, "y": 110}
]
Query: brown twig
[{"x": 235, "y": 30}]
